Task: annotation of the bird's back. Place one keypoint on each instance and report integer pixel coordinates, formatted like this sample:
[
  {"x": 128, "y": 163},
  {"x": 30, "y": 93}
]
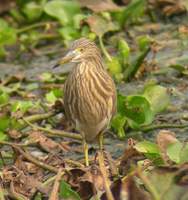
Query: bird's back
[{"x": 90, "y": 99}]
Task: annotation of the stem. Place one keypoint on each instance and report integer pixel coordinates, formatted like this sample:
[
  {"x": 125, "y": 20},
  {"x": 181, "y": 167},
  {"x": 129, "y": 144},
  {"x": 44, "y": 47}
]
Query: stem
[
  {"x": 105, "y": 177},
  {"x": 75, "y": 163},
  {"x": 48, "y": 36},
  {"x": 30, "y": 158},
  {"x": 55, "y": 132},
  {"x": 160, "y": 126},
  {"x": 49, "y": 181},
  {"x": 132, "y": 69},
  {"x": 149, "y": 186},
  {"x": 2, "y": 197},
  {"x": 105, "y": 52},
  {"x": 32, "y": 26},
  {"x": 34, "y": 118},
  {"x": 54, "y": 192}
]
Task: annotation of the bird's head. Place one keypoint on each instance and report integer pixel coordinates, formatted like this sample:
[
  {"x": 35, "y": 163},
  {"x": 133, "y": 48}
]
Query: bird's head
[{"x": 80, "y": 50}]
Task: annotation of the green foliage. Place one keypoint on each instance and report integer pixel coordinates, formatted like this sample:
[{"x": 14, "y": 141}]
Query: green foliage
[
  {"x": 23, "y": 106},
  {"x": 180, "y": 68},
  {"x": 3, "y": 136},
  {"x": 164, "y": 185},
  {"x": 118, "y": 124},
  {"x": 150, "y": 150},
  {"x": 32, "y": 10},
  {"x": 178, "y": 152},
  {"x": 67, "y": 193},
  {"x": 138, "y": 111},
  {"x": 4, "y": 97},
  {"x": 46, "y": 77},
  {"x": 130, "y": 13},
  {"x": 157, "y": 96},
  {"x": 64, "y": 11},
  {"x": 147, "y": 147},
  {"x": 4, "y": 125},
  {"x": 53, "y": 95},
  {"x": 68, "y": 33},
  {"x": 144, "y": 41},
  {"x": 7, "y": 36},
  {"x": 4, "y": 122},
  {"x": 38, "y": 196},
  {"x": 115, "y": 68},
  {"x": 100, "y": 25},
  {"x": 124, "y": 51}
]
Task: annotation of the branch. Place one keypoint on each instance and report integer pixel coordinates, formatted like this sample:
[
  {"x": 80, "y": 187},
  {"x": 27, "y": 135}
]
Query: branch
[
  {"x": 54, "y": 192},
  {"x": 32, "y": 26},
  {"x": 30, "y": 158},
  {"x": 149, "y": 185},
  {"x": 160, "y": 126},
  {"x": 35, "y": 118},
  {"x": 132, "y": 69},
  {"x": 2, "y": 197},
  {"x": 105, "y": 52},
  {"x": 55, "y": 132},
  {"x": 105, "y": 177}
]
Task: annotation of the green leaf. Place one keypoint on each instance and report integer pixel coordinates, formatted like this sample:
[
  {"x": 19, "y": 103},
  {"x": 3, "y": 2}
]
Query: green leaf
[
  {"x": 138, "y": 110},
  {"x": 3, "y": 136},
  {"x": 7, "y": 33},
  {"x": 147, "y": 147},
  {"x": 4, "y": 97},
  {"x": 63, "y": 10},
  {"x": 53, "y": 95},
  {"x": 144, "y": 42},
  {"x": 32, "y": 86},
  {"x": 163, "y": 183},
  {"x": 23, "y": 106},
  {"x": 45, "y": 77},
  {"x": 4, "y": 122},
  {"x": 118, "y": 124},
  {"x": 69, "y": 33},
  {"x": 50, "y": 97},
  {"x": 157, "y": 96},
  {"x": 124, "y": 50},
  {"x": 130, "y": 13},
  {"x": 100, "y": 25},
  {"x": 38, "y": 196},
  {"x": 32, "y": 11},
  {"x": 121, "y": 99},
  {"x": 184, "y": 154},
  {"x": 173, "y": 151},
  {"x": 181, "y": 68},
  {"x": 67, "y": 193},
  {"x": 150, "y": 150},
  {"x": 133, "y": 68},
  {"x": 115, "y": 68},
  {"x": 77, "y": 20}
]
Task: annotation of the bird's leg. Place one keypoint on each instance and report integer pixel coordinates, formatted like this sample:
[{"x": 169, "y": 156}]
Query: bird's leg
[
  {"x": 101, "y": 142},
  {"x": 85, "y": 146}
]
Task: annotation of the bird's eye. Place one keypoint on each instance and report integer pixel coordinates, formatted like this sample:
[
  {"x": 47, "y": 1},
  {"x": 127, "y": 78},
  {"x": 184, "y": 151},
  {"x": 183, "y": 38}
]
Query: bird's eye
[{"x": 81, "y": 49}]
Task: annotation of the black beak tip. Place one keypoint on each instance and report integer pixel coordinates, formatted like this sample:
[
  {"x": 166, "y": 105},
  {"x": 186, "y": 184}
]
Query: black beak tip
[{"x": 55, "y": 66}]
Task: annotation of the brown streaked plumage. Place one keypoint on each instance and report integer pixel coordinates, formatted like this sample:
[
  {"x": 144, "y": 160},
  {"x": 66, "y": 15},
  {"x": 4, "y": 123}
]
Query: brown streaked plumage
[{"x": 89, "y": 92}]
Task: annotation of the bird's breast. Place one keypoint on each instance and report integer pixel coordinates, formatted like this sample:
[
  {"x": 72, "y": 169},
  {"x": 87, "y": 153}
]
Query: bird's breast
[{"x": 88, "y": 98}]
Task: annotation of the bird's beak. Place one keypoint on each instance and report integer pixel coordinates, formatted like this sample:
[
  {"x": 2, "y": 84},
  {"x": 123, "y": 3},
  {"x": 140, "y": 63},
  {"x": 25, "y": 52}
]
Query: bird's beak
[{"x": 67, "y": 58}]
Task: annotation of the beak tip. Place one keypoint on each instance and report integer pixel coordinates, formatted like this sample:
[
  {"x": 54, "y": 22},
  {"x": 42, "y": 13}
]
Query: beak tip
[{"x": 56, "y": 65}]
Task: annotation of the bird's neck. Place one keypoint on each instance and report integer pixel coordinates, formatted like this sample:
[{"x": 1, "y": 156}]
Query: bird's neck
[
  {"x": 94, "y": 62},
  {"x": 87, "y": 65}
]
